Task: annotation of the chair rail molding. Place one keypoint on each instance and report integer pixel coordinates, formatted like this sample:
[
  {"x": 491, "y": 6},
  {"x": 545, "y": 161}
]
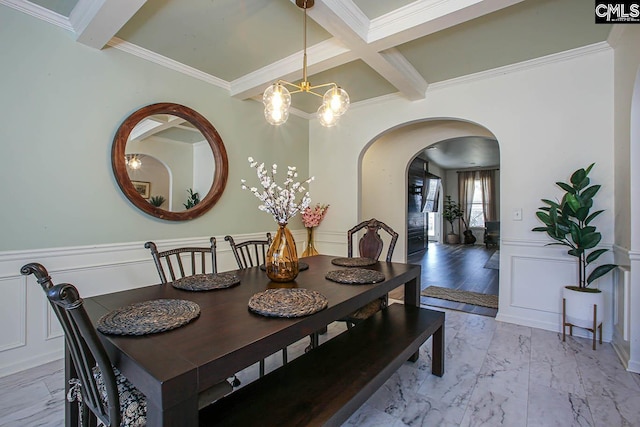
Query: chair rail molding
[{"x": 32, "y": 335}]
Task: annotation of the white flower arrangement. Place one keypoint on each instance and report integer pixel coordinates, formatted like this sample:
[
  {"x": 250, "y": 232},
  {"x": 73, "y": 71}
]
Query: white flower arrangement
[{"x": 279, "y": 201}]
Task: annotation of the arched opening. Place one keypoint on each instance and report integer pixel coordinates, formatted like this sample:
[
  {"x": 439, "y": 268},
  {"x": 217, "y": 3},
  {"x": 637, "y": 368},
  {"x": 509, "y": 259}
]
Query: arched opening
[
  {"x": 631, "y": 345},
  {"x": 390, "y": 189}
]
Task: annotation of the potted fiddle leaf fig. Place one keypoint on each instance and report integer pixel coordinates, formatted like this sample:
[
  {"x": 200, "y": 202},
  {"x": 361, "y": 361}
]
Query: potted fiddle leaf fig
[
  {"x": 570, "y": 223},
  {"x": 451, "y": 212}
]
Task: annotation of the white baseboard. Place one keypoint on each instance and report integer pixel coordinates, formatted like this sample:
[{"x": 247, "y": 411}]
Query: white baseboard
[{"x": 23, "y": 364}]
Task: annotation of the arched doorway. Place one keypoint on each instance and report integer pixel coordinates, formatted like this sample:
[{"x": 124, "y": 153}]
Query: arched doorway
[{"x": 385, "y": 164}]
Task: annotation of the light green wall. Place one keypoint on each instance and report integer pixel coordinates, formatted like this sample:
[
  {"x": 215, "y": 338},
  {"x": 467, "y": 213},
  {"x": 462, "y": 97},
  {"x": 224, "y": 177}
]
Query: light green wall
[{"x": 60, "y": 105}]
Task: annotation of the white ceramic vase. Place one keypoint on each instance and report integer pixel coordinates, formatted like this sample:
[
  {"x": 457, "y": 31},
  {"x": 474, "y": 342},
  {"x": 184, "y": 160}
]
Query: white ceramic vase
[{"x": 579, "y": 307}]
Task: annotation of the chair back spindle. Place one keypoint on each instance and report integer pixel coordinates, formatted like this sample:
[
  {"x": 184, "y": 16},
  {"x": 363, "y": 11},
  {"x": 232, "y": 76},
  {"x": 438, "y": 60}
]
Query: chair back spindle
[
  {"x": 178, "y": 263},
  {"x": 250, "y": 253}
]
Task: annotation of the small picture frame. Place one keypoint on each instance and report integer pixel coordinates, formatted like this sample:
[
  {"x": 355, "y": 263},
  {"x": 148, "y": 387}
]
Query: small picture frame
[{"x": 143, "y": 188}]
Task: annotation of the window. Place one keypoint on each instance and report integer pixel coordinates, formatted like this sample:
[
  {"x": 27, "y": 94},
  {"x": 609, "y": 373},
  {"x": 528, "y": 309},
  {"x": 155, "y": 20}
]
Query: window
[
  {"x": 431, "y": 194},
  {"x": 477, "y": 214},
  {"x": 431, "y": 226}
]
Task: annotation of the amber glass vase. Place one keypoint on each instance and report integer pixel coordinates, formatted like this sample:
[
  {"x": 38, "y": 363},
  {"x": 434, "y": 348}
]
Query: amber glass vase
[
  {"x": 282, "y": 256},
  {"x": 310, "y": 250}
]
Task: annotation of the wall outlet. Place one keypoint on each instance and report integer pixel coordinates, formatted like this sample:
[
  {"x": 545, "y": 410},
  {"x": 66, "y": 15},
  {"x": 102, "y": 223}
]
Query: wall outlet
[{"x": 517, "y": 214}]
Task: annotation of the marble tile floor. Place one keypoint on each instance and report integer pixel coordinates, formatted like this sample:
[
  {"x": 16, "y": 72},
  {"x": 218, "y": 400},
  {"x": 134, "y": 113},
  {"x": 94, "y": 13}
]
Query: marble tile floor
[{"x": 497, "y": 374}]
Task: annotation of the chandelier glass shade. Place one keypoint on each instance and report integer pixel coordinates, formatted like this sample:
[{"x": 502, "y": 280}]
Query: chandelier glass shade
[
  {"x": 277, "y": 98},
  {"x": 133, "y": 161}
]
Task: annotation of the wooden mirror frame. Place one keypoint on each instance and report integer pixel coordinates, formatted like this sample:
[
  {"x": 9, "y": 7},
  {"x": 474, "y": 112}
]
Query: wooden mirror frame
[{"x": 210, "y": 134}]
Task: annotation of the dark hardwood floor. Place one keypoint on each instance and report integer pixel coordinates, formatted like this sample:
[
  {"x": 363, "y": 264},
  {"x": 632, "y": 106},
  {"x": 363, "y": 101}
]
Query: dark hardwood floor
[{"x": 457, "y": 267}]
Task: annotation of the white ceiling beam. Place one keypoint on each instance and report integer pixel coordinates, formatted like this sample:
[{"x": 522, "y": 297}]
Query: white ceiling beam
[
  {"x": 370, "y": 41},
  {"x": 425, "y": 17},
  {"x": 402, "y": 74},
  {"x": 154, "y": 125},
  {"x": 351, "y": 15},
  {"x": 320, "y": 57},
  {"x": 95, "y": 22},
  {"x": 392, "y": 66},
  {"x": 415, "y": 14}
]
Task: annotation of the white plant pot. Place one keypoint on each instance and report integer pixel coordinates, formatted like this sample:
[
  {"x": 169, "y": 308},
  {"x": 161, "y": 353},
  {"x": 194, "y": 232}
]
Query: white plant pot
[{"x": 579, "y": 307}]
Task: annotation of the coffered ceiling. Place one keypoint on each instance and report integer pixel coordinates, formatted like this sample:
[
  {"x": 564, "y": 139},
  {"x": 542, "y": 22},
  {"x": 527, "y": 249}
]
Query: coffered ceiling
[{"x": 372, "y": 48}]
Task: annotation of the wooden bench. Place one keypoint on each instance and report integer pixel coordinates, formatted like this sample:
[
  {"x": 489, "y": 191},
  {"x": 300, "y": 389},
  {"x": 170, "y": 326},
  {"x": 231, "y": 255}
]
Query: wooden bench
[{"x": 326, "y": 385}]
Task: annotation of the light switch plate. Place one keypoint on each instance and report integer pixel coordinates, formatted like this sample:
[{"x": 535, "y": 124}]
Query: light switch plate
[{"x": 517, "y": 214}]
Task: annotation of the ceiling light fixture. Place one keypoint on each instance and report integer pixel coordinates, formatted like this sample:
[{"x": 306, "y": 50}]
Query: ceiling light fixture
[
  {"x": 133, "y": 161},
  {"x": 277, "y": 98}
]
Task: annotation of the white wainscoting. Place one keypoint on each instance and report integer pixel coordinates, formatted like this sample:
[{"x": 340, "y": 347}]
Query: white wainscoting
[
  {"x": 622, "y": 313},
  {"x": 626, "y": 309},
  {"x": 30, "y": 333},
  {"x": 532, "y": 277},
  {"x": 531, "y": 280}
]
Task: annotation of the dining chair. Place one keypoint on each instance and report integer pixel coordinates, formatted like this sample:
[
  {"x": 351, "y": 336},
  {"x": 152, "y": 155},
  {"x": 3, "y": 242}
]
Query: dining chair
[
  {"x": 99, "y": 386},
  {"x": 102, "y": 393},
  {"x": 250, "y": 253},
  {"x": 177, "y": 263},
  {"x": 253, "y": 253},
  {"x": 370, "y": 245},
  {"x": 184, "y": 262}
]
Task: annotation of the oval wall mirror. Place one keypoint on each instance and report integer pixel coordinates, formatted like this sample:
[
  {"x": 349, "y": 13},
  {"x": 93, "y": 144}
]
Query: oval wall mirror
[{"x": 169, "y": 161}]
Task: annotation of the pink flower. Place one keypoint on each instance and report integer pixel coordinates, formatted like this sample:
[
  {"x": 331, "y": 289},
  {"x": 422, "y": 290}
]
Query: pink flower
[{"x": 312, "y": 216}]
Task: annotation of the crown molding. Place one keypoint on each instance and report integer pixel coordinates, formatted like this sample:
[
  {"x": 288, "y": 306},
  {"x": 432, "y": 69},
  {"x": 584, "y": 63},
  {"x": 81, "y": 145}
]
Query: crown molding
[
  {"x": 39, "y": 12},
  {"x": 507, "y": 69},
  {"x": 83, "y": 13},
  {"x": 615, "y": 34},
  {"x": 325, "y": 54},
  {"x": 412, "y": 15},
  {"x": 525, "y": 65},
  {"x": 148, "y": 55},
  {"x": 299, "y": 113},
  {"x": 95, "y": 22},
  {"x": 390, "y": 97}
]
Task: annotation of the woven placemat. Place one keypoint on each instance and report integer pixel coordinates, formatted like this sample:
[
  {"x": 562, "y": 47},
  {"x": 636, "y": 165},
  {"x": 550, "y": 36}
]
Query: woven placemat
[
  {"x": 353, "y": 262},
  {"x": 149, "y": 317},
  {"x": 207, "y": 282},
  {"x": 301, "y": 266},
  {"x": 292, "y": 302},
  {"x": 355, "y": 276}
]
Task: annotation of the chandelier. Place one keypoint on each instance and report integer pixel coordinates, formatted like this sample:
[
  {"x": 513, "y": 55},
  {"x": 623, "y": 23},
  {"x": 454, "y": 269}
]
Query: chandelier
[
  {"x": 277, "y": 98},
  {"x": 133, "y": 161}
]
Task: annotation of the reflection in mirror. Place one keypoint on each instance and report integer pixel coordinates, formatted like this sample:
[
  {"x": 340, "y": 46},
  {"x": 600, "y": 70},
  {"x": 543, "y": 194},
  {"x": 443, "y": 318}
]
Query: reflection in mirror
[
  {"x": 173, "y": 156},
  {"x": 167, "y": 156}
]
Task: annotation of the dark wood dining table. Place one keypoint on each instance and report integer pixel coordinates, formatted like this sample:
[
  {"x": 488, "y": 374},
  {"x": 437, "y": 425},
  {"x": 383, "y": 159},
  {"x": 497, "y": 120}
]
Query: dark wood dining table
[{"x": 172, "y": 367}]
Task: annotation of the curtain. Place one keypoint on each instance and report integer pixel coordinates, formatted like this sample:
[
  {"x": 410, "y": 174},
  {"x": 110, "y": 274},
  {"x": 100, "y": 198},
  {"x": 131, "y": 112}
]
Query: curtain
[
  {"x": 487, "y": 181},
  {"x": 466, "y": 184}
]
